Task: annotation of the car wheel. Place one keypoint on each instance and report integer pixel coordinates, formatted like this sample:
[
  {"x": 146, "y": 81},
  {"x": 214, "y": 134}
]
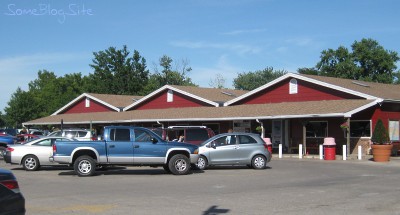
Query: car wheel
[
  {"x": 31, "y": 163},
  {"x": 2, "y": 152},
  {"x": 179, "y": 164},
  {"x": 259, "y": 162},
  {"x": 85, "y": 166},
  {"x": 202, "y": 163}
]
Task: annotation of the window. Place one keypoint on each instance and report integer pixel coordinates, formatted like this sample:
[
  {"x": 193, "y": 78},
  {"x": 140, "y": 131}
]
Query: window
[
  {"x": 394, "y": 130},
  {"x": 87, "y": 102},
  {"x": 246, "y": 139},
  {"x": 196, "y": 134},
  {"x": 360, "y": 128},
  {"x": 317, "y": 129},
  {"x": 293, "y": 86},
  {"x": 120, "y": 134},
  {"x": 225, "y": 140},
  {"x": 82, "y": 133},
  {"x": 142, "y": 136},
  {"x": 170, "y": 96},
  {"x": 46, "y": 142}
]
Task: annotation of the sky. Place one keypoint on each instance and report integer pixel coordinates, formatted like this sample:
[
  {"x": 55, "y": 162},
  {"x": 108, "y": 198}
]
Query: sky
[{"x": 216, "y": 37}]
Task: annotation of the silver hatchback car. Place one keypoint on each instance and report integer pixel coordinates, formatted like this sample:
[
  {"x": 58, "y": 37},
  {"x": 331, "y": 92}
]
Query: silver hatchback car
[{"x": 234, "y": 149}]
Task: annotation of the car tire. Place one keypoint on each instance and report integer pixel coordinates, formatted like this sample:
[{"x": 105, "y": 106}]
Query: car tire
[
  {"x": 2, "y": 152},
  {"x": 259, "y": 162},
  {"x": 179, "y": 164},
  {"x": 202, "y": 163},
  {"x": 31, "y": 163},
  {"x": 85, "y": 166}
]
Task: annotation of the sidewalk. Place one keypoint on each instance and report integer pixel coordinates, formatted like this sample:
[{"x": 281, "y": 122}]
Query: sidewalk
[{"x": 275, "y": 156}]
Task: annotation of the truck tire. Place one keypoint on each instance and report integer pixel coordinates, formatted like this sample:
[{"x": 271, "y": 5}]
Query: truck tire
[
  {"x": 179, "y": 164},
  {"x": 85, "y": 166},
  {"x": 31, "y": 163}
]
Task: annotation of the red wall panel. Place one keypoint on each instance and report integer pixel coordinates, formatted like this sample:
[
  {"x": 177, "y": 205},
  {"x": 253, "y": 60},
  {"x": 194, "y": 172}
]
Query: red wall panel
[
  {"x": 179, "y": 101},
  {"x": 94, "y": 107},
  {"x": 306, "y": 92}
]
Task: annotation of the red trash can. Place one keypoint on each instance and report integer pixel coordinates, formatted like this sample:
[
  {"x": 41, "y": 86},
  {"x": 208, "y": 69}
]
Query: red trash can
[{"x": 329, "y": 148}]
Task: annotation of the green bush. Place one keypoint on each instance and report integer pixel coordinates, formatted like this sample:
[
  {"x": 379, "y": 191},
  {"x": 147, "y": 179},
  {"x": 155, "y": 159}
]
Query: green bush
[{"x": 380, "y": 135}]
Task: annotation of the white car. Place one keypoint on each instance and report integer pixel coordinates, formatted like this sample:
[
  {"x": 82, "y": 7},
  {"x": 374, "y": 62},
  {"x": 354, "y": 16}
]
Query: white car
[
  {"x": 79, "y": 134},
  {"x": 33, "y": 154}
]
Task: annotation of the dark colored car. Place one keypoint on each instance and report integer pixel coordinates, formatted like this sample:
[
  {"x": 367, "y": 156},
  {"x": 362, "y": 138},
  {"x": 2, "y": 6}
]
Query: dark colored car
[
  {"x": 188, "y": 134},
  {"x": 11, "y": 199}
]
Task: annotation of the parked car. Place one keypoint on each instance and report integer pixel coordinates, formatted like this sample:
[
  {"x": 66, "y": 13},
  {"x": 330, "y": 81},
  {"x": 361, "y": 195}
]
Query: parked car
[
  {"x": 234, "y": 149},
  {"x": 5, "y": 141},
  {"x": 188, "y": 134},
  {"x": 11, "y": 199},
  {"x": 23, "y": 138},
  {"x": 79, "y": 134},
  {"x": 33, "y": 154}
]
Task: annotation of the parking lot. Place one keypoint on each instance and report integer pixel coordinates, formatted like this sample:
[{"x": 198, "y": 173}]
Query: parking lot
[{"x": 287, "y": 186}]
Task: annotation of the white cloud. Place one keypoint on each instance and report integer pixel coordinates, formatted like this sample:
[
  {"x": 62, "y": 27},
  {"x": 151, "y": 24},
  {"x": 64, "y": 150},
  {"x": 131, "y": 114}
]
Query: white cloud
[{"x": 239, "y": 49}]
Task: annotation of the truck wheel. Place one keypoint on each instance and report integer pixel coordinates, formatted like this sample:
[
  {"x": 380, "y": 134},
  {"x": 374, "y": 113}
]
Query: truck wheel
[
  {"x": 85, "y": 166},
  {"x": 179, "y": 164},
  {"x": 166, "y": 168},
  {"x": 31, "y": 163},
  {"x": 259, "y": 162}
]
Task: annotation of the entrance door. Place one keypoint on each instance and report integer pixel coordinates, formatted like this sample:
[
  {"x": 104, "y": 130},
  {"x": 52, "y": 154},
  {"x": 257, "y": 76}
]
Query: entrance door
[{"x": 280, "y": 133}]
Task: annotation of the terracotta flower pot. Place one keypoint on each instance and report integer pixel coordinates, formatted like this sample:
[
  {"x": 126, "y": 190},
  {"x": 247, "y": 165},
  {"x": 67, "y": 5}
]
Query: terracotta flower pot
[{"x": 381, "y": 153}]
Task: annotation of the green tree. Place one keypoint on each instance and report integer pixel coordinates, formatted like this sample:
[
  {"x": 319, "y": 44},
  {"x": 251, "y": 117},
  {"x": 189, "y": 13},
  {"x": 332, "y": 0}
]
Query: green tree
[
  {"x": 20, "y": 108},
  {"x": 116, "y": 72},
  {"x": 168, "y": 75},
  {"x": 367, "y": 61},
  {"x": 252, "y": 80},
  {"x": 380, "y": 135}
]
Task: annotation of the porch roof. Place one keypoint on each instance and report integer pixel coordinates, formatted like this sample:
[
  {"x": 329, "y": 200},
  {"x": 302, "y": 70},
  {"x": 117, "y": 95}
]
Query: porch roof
[{"x": 309, "y": 109}]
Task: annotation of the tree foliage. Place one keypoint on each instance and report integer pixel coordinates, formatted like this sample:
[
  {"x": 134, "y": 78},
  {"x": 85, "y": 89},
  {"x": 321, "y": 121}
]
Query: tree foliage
[
  {"x": 367, "y": 61},
  {"x": 380, "y": 135},
  {"x": 168, "y": 75},
  {"x": 252, "y": 80},
  {"x": 116, "y": 72}
]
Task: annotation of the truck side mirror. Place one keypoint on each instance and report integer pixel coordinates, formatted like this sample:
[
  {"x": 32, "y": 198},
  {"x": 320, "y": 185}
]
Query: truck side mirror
[{"x": 154, "y": 140}]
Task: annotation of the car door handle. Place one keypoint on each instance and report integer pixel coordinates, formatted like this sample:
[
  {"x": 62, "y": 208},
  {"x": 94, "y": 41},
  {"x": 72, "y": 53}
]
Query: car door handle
[
  {"x": 112, "y": 146},
  {"x": 136, "y": 146}
]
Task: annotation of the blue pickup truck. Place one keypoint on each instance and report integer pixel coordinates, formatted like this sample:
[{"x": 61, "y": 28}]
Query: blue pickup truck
[{"x": 129, "y": 146}]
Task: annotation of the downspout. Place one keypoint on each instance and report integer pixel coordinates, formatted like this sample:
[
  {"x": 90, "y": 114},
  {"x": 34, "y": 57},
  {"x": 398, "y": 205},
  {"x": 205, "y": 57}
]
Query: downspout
[
  {"x": 348, "y": 137},
  {"x": 262, "y": 128}
]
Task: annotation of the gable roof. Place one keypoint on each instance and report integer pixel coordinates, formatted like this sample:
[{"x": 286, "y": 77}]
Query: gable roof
[
  {"x": 367, "y": 90},
  {"x": 212, "y": 96},
  {"x": 114, "y": 102},
  {"x": 285, "y": 110}
]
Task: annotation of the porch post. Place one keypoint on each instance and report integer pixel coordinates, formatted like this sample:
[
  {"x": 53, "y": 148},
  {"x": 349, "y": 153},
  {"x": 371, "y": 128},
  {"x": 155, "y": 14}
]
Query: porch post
[
  {"x": 348, "y": 137},
  {"x": 304, "y": 138}
]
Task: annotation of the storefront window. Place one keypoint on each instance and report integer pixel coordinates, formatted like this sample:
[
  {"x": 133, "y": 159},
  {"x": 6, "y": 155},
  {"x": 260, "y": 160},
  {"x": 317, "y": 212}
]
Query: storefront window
[
  {"x": 394, "y": 130},
  {"x": 360, "y": 128},
  {"x": 317, "y": 129}
]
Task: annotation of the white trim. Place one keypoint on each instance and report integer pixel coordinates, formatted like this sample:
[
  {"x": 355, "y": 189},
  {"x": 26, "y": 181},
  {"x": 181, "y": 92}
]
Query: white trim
[
  {"x": 173, "y": 89},
  {"x": 85, "y": 95},
  {"x": 297, "y": 76},
  {"x": 350, "y": 113}
]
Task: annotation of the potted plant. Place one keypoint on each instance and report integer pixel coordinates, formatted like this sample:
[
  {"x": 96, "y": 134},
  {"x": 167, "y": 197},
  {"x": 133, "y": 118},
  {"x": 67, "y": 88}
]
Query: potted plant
[{"x": 381, "y": 146}]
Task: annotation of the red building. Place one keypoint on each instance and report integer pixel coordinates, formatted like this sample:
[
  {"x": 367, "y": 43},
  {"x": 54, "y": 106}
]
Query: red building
[{"x": 293, "y": 109}]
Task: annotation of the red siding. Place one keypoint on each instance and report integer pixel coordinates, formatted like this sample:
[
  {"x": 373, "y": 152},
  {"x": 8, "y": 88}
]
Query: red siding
[
  {"x": 179, "y": 101},
  {"x": 306, "y": 92},
  {"x": 385, "y": 115},
  {"x": 94, "y": 107}
]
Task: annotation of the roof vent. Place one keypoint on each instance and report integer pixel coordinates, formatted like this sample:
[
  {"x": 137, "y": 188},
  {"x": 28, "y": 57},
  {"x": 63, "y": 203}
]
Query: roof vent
[
  {"x": 360, "y": 84},
  {"x": 228, "y": 93}
]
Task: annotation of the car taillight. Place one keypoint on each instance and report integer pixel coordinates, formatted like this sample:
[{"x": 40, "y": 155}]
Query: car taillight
[
  {"x": 93, "y": 138},
  {"x": 10, "y": 149},
  {"x": 11, "y": 184},
  {"x": 268, "y": 147},
  {"x": 54, "y": 148}
]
